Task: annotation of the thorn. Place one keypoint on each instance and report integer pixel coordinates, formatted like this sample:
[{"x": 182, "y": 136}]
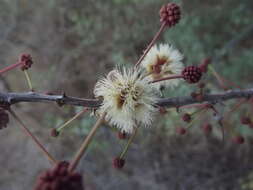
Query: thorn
[
  {"x": 60, "y": 102},
  {"x": 64, "y": 95}
]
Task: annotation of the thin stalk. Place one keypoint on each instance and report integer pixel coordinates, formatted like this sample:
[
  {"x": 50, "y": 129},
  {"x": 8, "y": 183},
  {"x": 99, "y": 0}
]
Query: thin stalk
[
  {"x": 28, "y": 79},
  {"x": 29, "y": 134},
  {"x": 130, "y": 140},
  {"x": 151, "y": 43},
  {"x": 201, "y": 113},
  {"x": 8, "y": 68},
  {"x": 86, "y": 143},
  {"x": 167, "y": 78},
  {"x": 72, "y": 119},
  {"x": 222, "y": 80}
]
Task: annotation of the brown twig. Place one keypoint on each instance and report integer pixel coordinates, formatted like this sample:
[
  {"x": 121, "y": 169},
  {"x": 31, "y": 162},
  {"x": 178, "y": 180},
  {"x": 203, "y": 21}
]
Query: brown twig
[
  {"x": 151, "y": 43},
  {"x": 29, "y": 133},
  {"x": 14, "y": 98},
  {"x": 86, "y": 143}
]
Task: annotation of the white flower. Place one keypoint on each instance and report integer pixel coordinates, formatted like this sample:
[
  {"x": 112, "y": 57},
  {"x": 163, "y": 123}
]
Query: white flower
[
  {"x": 163, "y": 61},
  {"x": 128, "y": 99}
]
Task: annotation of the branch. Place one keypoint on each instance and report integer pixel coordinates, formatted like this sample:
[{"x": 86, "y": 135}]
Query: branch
[{"x": 13, "y": 98}]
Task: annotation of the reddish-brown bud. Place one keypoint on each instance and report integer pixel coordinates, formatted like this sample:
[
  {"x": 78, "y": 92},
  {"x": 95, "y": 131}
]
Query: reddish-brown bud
[
  {"x": 204, "y": 65},
  {"x": 238, "y": 139},
  {"x": 181, "y": 130},
  {"x": 170, "y": 14},
  {"x": 162, "y": 110},
  {"x": 201, "y": 85},
  {"x": 122, "y": 135},
  {"x": 207, "y": 128},
  {"x": 187, "y": 118},
  {"x": 118, "y": 163},
  {"x": 246, "y": 120},
  {"x": 26, "y": 60},
  {"x": 59, "y": 178},
  {"x": 4, "y": 118},
  {"x": 192, "y": 74},
  {"x": 199, "y": 97},
  {"x": 194, "y": 94},
  {"x": 54, "y": 133}
]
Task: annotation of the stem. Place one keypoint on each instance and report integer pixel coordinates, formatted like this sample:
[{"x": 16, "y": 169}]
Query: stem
[
  {"x": 128, "y": 143},
  {"x": 29, "y": 134},
  {"x": 201, "y": 113},
  {"x": 151, "y": 44},
  {"x": 28, "y": 80},
  {"x": 167, "y": 78},
  {"x": 72, "y": 119},
  {"x": 10, "y": 67},
  {"x": 86, "y": 143}
]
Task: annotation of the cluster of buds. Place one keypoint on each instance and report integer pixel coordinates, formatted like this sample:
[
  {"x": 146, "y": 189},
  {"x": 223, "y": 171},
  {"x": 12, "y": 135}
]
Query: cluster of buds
[
  {"x": 26, "y": 61},
  {"x": 192, "y": 74},
  {"x": 170, "y": 14},
  {"x": 59, "y": 178}
]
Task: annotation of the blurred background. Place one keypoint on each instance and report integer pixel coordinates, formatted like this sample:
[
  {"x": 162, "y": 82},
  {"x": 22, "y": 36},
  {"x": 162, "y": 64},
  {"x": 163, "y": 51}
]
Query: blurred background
[{"x": 74, "y": 43}]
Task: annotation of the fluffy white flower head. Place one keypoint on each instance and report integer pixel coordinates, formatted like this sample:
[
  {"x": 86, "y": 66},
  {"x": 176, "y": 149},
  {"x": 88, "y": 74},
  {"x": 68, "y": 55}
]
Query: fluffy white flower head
[
  {"x": 128, "y": 99},
  {"x": 163, "y": 61}
]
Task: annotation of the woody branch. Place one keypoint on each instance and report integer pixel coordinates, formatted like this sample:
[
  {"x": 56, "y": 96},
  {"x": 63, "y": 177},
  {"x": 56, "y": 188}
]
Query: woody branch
[{"x": 14, "y": 98}]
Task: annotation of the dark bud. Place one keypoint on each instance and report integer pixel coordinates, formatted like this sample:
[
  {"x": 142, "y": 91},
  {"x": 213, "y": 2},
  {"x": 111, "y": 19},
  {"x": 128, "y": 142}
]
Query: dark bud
[
  {"x": 201, "y": 85},
  {"x": 162, "y": 110},
  {"x": 204, "y": 65},
  {"x": 26, "y": 60},
  {"x": 187, "y": 118},
  {"x": 238, "y": 139},
  {"x": 194, "y": 95},
  {"x": 54, "y": 133},
  {"x": 245, "y": 120},
  {"x": 122, "y": 135},
  {"x": 181, "y": 130},
  {"x": 170, "y": 14},
  {"x": 118, "y": 163},
  {"x": 4, "y": 118},
  {"x": 199, "y": 97},
  {"x": 192, "y": 74},
  {"x": 207, "y": 128},
  {"x": 59, "y": 178}
]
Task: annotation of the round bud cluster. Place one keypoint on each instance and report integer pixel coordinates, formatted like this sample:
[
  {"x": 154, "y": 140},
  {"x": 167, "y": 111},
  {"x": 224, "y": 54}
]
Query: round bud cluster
[
  {"x": 59, "y": 178},
  {"x": 187, "y": 118},
  {"x": 170, "y": 14},
  {"x": 26, "y": 60},
  {"x": 192, "y": 74},
  {"x": 118, "y": 163},
  {"x": 181, "y": 130},
  {"x": 4, "y": 118}
]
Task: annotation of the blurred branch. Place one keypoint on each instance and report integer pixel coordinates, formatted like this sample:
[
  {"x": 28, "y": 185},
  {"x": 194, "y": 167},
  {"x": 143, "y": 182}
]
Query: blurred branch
[
  {"x": 233, "y": 42},
  {"x": 13, "y": 98}
]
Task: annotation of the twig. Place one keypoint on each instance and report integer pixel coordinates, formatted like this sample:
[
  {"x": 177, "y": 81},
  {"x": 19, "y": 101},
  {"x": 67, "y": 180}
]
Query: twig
[
  {"x": 29, "y": 133},
  {"x": 13, "y": 98},
  {"x": 86, "y": 143}
]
